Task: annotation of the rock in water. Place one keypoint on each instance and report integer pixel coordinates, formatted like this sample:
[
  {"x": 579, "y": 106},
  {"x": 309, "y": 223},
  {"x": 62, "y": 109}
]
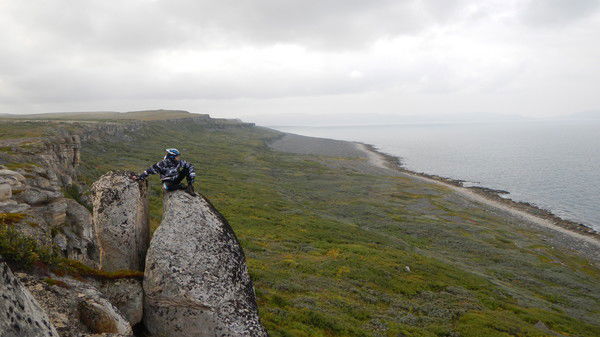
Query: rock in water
[
  {"x": 20, "y": 314},
  {"x": 120, "y": 221},
  {"x": 196, "y": 281}
]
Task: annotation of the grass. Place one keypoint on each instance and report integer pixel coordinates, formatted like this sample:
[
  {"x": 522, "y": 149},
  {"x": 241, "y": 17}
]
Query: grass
[
  {"x": 74, "y": 192},
  {"x": 55, "y": 282},
  {"x": 21, "y": 250},
  {"x": 327, "y": 248},
  {"x": 21, "y": 130},
  {"x": 146, "y": 115}
]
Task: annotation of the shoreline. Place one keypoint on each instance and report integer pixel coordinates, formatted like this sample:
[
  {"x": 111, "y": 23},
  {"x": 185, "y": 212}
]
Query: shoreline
[{"x": 489, "y": 197}]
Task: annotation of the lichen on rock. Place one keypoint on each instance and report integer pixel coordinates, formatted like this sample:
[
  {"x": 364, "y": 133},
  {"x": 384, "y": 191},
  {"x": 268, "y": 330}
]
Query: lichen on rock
[
  {"x": 196, "y": 280},
  {"x": 20, "y": 313}
]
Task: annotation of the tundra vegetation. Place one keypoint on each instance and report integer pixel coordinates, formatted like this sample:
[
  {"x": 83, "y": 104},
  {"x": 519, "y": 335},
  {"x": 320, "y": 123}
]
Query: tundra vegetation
[{"x": 336, "y": 251}]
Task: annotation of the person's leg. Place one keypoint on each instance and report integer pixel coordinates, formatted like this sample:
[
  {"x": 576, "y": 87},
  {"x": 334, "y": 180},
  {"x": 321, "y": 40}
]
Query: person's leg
[
  {"x": 172, "y": 186},
  {"x": 175, "y": 184},
  {"x": 180, "y": 176}
]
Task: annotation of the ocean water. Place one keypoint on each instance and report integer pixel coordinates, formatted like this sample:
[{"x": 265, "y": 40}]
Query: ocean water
[{"x": 552, "y": 164}]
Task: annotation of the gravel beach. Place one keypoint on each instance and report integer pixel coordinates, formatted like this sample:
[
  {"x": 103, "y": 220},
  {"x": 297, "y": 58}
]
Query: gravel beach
[{"x": 366, "y": 159}]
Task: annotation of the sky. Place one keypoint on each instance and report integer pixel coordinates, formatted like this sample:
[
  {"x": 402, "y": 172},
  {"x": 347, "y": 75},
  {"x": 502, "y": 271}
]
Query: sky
[{"x": 280, "y": 62}]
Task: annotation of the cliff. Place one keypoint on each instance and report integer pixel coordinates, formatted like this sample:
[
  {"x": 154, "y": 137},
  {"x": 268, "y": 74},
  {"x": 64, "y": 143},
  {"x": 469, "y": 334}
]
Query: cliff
[{"x": 37, "y": 173}]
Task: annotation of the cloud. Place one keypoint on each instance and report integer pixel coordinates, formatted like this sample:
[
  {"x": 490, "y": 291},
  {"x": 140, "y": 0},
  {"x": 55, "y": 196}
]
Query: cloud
[
  {"x": 320, "y": 55},
  {"x": 558, "y": 12}
]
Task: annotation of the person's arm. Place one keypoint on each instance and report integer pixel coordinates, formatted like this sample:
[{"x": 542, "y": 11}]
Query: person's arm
[
  {"x": 191, "y": 173},
  {"x": 154, "y": 169}
]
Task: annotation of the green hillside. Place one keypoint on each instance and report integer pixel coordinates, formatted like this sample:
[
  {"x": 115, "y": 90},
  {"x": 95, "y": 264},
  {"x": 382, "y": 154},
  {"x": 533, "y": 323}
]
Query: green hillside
[
  {"x": 145, "y": 115},
  {"x": 335, "y": 251}
]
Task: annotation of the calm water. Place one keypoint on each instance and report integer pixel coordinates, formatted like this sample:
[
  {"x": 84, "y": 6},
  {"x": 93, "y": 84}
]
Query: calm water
[{"x": 554, "y": 165}]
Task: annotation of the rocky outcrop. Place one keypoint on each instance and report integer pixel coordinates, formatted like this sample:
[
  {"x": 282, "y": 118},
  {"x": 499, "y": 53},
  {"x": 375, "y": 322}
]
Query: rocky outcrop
[
  {"x": 76, "y": 307},
  {"x": 41, "y": 169},
  {"x": 11, "y": 182},
  {"x": 196, "y": 281},
  {"x": 120, "y": 218},
  {"x": 60, "y": 156},
  {"x": 20, "y": 313}
]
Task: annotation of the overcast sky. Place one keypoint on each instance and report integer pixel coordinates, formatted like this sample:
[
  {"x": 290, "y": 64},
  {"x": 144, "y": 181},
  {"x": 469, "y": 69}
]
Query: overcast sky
[{"x": 271, "y": 60}]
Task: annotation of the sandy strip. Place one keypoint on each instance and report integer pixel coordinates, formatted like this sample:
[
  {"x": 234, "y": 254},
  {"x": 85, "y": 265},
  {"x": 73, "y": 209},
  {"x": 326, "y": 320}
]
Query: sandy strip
[{"x": 378, "y": 160}]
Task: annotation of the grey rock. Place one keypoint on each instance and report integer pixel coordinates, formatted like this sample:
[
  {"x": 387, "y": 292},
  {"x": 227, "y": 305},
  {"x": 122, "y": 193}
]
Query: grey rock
[
  {"x": 14, "y": 179},
  {"x": 120, "y": 219},
  {"x": 128, "y": 296},
  {"x": 196, "y": 281},
  {"x": 36, "y": 196},
  {"x": 93, "y": 309},
  {"x": 97, "y": 313},
  {"x": 44, "y": 183},
  {"x": 61, "y": 299},
  {"x": 61, "y": 155},
  {"x": 20, "y": 314},
  {"x": 101, "y": 317},
  {"x": 79, "y": 231},
  {"x": 11, "y": 206},
  {"x": 56, "y": 212},
  {"x": 5, "y": 191},
  {"x": 60, "y": 240}
]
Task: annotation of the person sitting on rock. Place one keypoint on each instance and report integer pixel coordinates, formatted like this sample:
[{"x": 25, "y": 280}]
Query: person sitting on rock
[{"x": 172, "y": 170}]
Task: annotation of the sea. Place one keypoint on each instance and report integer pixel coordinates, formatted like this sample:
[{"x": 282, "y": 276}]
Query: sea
[{"x": 554, "y": 165}]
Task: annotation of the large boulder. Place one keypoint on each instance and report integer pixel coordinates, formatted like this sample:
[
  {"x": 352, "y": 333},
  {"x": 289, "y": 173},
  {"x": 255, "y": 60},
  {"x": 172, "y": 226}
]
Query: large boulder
[
  {"x": 20, "y": 313},
  {"x": 196, "y": 282},
  {"x": 120, "y": 218}
]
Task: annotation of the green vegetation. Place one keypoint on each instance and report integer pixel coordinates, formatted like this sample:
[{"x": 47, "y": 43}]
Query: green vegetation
[
  {"x": 20, "y": 130},
  {"x": 55, "y": 282},
  {"x": 146, "y": 115},
  {"x": 328, "y": 247},
  {"x": 78, "y": 269},
  {"x": 24, "y": 252},
  {"x": 73, "y": 192},
  {"x": 19, "y": 249}
]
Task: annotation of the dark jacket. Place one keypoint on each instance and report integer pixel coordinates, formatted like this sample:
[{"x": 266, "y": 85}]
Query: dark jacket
[{"x": 170, "y": 170}]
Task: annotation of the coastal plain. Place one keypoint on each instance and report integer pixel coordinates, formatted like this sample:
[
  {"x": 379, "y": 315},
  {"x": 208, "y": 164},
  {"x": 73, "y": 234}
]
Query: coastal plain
[{"x": 338, "y": 246}]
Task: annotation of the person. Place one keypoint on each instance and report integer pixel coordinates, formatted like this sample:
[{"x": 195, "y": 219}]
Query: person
[{"x": 172, "y": 171}]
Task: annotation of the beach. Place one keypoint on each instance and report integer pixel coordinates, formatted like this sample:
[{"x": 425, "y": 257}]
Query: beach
[{"x": 559, "y": 232}]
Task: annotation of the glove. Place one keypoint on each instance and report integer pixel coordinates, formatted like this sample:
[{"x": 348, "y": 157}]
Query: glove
[{"x": 190, "y": 190}]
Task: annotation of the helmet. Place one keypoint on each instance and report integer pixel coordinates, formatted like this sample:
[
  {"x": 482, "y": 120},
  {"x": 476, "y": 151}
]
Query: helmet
[{"x": 172, "y": 152}]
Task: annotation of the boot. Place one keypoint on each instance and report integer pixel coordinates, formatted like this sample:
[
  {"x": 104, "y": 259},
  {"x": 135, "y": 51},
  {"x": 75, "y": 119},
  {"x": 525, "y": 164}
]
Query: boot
[{"x": 190, "y": 190}]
